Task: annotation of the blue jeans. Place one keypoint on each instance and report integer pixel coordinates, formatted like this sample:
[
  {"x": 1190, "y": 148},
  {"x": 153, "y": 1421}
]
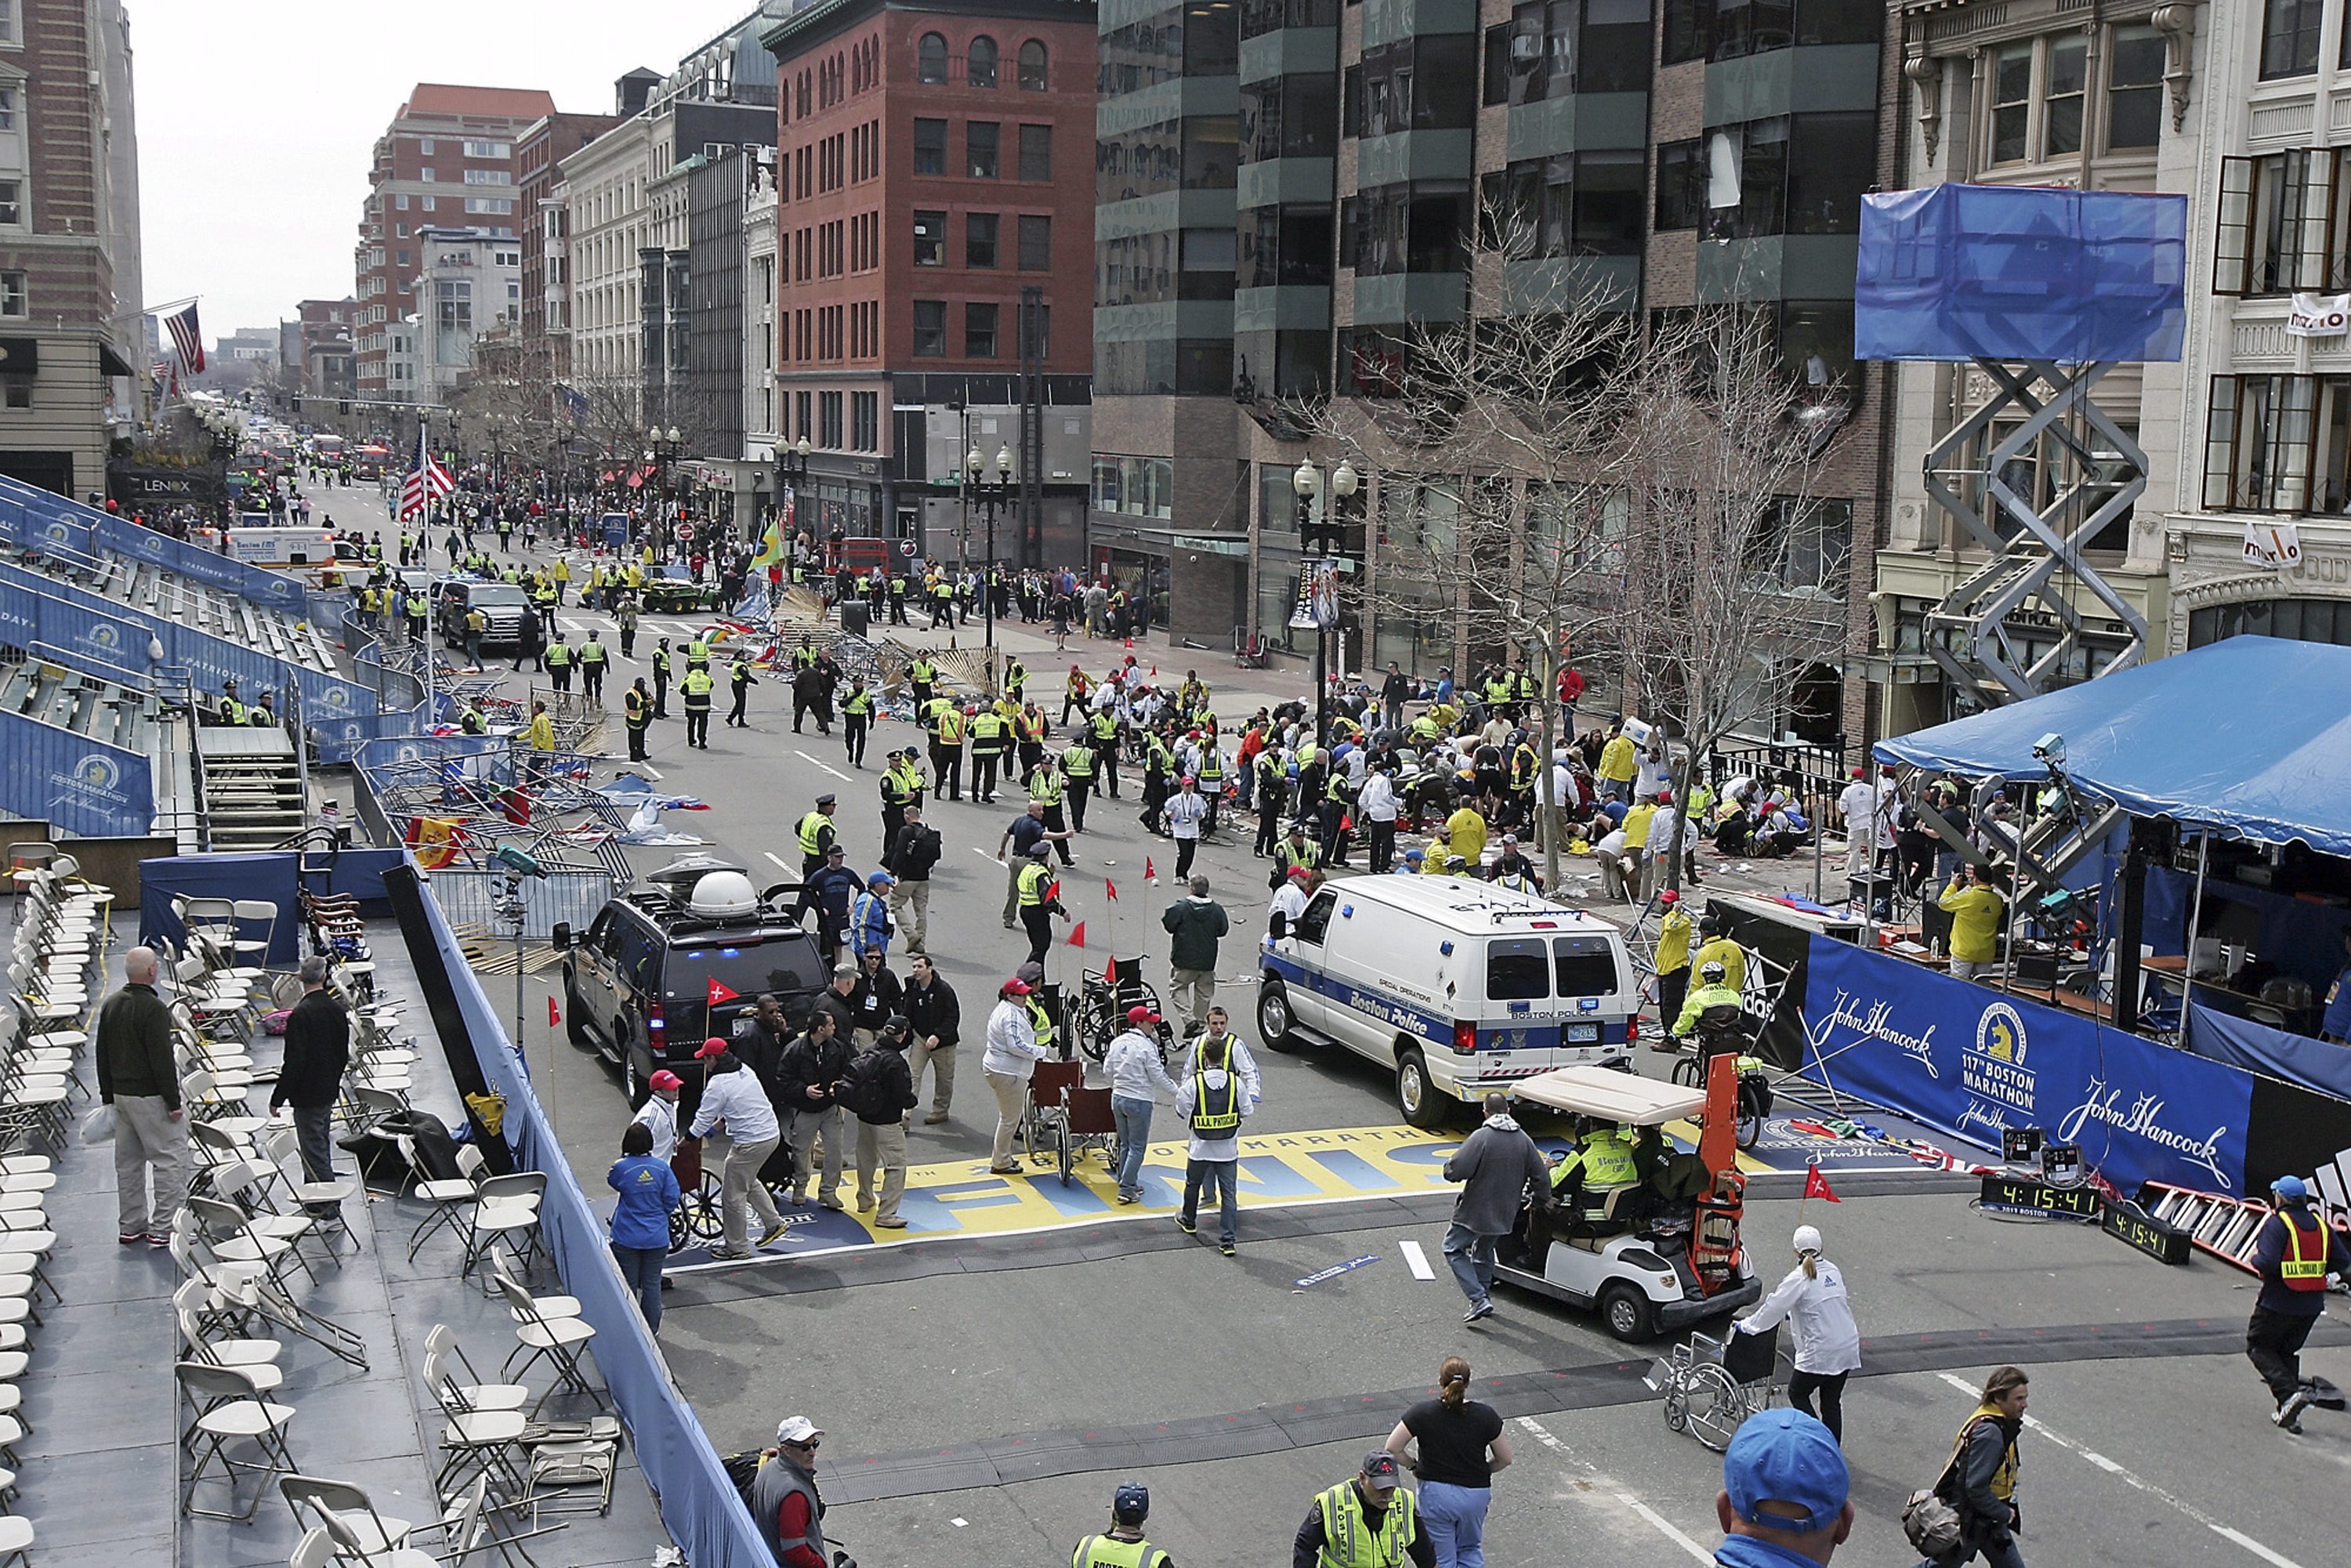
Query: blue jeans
[
  {"x": 1134, "y": 1120},
  {"x": 1617, "y": 788},
  {"x": 1470, "y": 1255},
  {"x": 1214, "y": 1175},
  {"x": 1455, "y": 1518},
  {"x": 641, "y": 1268}
]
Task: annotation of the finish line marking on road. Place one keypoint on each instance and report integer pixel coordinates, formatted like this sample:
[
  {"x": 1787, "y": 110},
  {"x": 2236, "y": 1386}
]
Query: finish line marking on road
[
  {"x": 836, "y": 772},
  {"x": 1416, "y": 1260},
  {"x": 2239, "y": 1537},
  {"x": 1650, "y": 1516}
]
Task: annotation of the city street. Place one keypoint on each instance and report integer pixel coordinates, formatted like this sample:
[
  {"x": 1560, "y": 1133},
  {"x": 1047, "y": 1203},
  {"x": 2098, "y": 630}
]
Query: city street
[{"x": 983, "y": 1393}]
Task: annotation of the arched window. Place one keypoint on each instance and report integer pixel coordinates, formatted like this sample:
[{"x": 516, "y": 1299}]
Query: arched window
[
  {"x": 982, "y": 72},
  {"x": 930, "y": 58},
  {"x": 1032, "y": 65}
]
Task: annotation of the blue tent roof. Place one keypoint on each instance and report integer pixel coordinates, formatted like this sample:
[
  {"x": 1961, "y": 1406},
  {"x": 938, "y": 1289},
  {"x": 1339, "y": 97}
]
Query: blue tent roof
[{"x": 2250, "y": 736}]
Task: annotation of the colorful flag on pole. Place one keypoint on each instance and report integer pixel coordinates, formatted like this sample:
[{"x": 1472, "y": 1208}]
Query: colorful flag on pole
[
  {"x": 1078, "y": 934},
  {"x": 1817, "y": 1185},
  {"x": 771, "y": 546},
  {"x": 720, "y": 993},
  {"x": 554, "y": 1013},
  {"x": 187, "y": 338},
  {"x": 1112, "y": 888},
  {"x": 425, "y": 484}
]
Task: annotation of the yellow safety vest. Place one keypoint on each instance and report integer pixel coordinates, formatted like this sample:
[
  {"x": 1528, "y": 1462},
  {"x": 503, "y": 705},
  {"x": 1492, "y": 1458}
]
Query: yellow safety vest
[
  {"x": 1046, "y": 786},
  {"x": 1108, "y": 1552},
  {"x": 1034, "y": 880},
  {"x": 1078, "y": 762},
  {"x": 812, "y": 827},
  {"x": 2304, "y": 1267},
  {"x": 697, "y": 687},
  {"x": 1216, "y": 1109},
  {"x": 1348, "y": 1538},
  {"x": 591, "y": 652},
  {"x": 951, "y": 727}
]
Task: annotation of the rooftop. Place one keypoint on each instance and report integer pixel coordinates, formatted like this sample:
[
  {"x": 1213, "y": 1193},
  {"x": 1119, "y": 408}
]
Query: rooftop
[{"x": 511, "y": 102}]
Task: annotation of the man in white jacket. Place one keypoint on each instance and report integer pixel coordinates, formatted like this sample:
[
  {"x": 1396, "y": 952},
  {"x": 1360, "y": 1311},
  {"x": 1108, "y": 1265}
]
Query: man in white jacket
[
  {"x": 733, "y": 1097},
  {"x": 1008, "y": 1063},
  {"x": 1137, "y": 1079}
]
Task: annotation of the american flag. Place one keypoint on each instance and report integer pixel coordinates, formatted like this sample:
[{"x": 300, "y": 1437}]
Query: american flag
[
  {"x": 187, "y": 340},
  {"x": 425, "y": 484}
]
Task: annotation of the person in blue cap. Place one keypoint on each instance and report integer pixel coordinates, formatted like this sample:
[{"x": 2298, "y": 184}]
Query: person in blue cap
[
  {"x": 2294, "y": 1252},
  {"x": 1123, "y": 1546},
  {"x": 1783, "y": 1502}
]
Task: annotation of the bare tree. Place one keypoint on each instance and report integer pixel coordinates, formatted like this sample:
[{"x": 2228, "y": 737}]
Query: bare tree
[
  {"x": 1724, "y": 598},
  {"x": 1515, "y": 433}
]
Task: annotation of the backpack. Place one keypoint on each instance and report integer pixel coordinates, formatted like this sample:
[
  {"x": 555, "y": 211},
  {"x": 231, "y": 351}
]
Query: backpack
[
  {"x": 1931, "y": 1516},
  {"x": 868, "y": 1096}
]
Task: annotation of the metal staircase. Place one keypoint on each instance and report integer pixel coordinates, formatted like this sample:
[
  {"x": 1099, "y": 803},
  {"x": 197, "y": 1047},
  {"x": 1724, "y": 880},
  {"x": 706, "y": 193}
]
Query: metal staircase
[
  {"x": 1969, "y": 633},
  {"x": 252, "y": 785}
]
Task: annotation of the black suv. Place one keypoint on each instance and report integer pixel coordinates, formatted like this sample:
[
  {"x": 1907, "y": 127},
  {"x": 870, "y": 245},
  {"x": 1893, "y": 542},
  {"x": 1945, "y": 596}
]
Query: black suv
[{"x": 639, "y": 984}]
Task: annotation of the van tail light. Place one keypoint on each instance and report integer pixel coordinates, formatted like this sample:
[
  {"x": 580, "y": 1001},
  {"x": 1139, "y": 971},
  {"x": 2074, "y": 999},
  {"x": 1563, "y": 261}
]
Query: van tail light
[
  {"x": 657, "y": 1023},
  {"x": 1633, "y": 1030},
  {"x": 1465, "y": 1036}
]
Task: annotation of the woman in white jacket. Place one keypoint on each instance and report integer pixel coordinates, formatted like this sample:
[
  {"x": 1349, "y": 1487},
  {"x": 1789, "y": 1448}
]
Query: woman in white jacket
[
  {"x": 1820, "y": 1319},
  {"x": 1008, "y": 1063}
]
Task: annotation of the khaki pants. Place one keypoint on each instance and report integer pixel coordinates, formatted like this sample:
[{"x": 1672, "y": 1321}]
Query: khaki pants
[
  {"x": 807, "y": 1126},
  {"x": 1012, "y": 891},
  {"x": 741, "y": 1186},
  {"x": 1012, "y": 1106},
  {"x": 942, "y": 1065},
  {"x": 146, "y": 1137},
  {"x": 911, "y": 903},
  {"x": 1192, "y": 992},
  {"x": 885, "y": 1146}
]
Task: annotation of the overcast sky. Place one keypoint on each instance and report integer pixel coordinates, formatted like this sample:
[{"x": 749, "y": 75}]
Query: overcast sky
[{"x": 256, "y": 118}]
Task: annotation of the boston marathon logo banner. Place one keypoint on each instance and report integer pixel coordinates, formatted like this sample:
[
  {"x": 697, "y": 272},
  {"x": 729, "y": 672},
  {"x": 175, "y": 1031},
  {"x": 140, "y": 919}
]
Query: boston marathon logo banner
[{"x": 1969, "y": 1061}]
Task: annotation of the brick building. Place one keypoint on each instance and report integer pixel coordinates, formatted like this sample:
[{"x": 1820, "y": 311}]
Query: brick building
[
  {"x": 447, "y": 161},
  {"x": 543, "y": 215},
  {"x": 315, "y": 351},
  {"x": 934, "y": 163},
  {"x": 70, "y": 333}
]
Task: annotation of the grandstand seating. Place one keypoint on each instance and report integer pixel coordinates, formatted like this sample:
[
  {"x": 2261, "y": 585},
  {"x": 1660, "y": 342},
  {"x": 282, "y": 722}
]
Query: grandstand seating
[
  {"x": 198, "y": 606},
  {"x": 118, "y": 716}
]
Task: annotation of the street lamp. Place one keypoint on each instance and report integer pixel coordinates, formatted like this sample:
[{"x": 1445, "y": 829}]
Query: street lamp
[
  {"x": 666, "y": 447},
  {"x": 1307, "y": 481},
  {"x": 991, "y": 493},
  {"x": 792, "y": 473}
]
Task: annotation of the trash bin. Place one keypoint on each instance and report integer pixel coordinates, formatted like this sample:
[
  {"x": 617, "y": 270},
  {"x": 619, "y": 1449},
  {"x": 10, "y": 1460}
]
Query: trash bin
[{"x": 856, "y": 617}]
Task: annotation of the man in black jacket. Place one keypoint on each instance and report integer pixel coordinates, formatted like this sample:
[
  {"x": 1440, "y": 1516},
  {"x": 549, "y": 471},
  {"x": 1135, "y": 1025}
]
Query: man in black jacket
[
  {"x": 936, "y": 1019},
  {"x": 760, "y": 1044},
  {"x": 912, "y": 851},
  {"x": 875, "y": 1000},
  {"x": 879, "y": 1090},
  {"x": 318, "y": 1050},
  {"x": 811, "y": 1068},
  {"x": 138, "y": 1076}
]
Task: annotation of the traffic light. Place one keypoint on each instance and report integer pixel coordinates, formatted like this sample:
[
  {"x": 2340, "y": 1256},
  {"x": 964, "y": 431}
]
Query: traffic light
[{"x": 343, "y": 407}]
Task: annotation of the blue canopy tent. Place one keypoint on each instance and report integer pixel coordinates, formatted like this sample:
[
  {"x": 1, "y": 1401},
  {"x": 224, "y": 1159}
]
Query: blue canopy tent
[{"x": 2246, "y": 738}]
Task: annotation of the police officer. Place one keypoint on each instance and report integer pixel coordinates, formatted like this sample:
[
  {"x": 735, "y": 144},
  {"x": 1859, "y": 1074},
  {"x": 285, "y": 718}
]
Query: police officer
[
  {"x": 922, "y": 675},
  {"x": 559, "y": 657},
  {"x": 1077, "y": 780},
  {"x": 470, "y": 719},
  {"x": 1102, "y": 730},
  {"x": 1600, "y": 1166},
  {"x": 856, "y": 718},
  {"x": 2295, "y": 1251},
  {"x": 1365, "y": 1521},
  {"x": 1711, "y": 993},
  {"x": 901, "y": 786},
  {"x": 639, "y": 705},
  {"x": 1047, "y": 789},
  {"x": 1037, "y": 901},
  {"x": 803, "y": 656},
  {"x": 1123, "y": 1546},
  {"x": 695, "y": 689},
  {"x": 592, "y": 659},
  {"x": 417, "y": 610},
  {"x": 660, "y": 679},
  {"x": 818, "y": 835},
  {"x": 741, "y": 680},
  {"x": 988, "y": 737},
  {"x": 475, "y": 624},
  {"x": 626, "y": 617},
  {"x": 697, "y": 652},
  {"x": 229, "y": 710},
  {"x": 1016, "y": 675},
  {"x": 946, "y": 749}
]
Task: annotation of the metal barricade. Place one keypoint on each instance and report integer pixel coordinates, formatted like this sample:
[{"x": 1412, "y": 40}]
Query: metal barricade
[{"x": 470, "y": 897}]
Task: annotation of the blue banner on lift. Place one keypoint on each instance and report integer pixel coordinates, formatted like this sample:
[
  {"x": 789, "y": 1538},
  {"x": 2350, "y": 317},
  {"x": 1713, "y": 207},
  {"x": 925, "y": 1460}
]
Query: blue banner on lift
[
  {"x": 1969, "y": 1060},
  {"x": 79, "y": 785}
]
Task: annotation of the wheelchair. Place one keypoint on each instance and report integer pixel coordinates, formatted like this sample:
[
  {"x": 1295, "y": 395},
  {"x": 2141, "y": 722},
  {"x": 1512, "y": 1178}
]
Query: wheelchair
[{"x": 1711, "y": 1385}]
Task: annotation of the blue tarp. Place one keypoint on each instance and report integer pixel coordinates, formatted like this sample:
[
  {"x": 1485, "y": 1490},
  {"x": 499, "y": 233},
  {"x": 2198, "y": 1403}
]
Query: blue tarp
[
  {"x": 2001, "y": 272},
  {"x": 2249, "y": 736},
  {"x": 2257, "y": 1048}
]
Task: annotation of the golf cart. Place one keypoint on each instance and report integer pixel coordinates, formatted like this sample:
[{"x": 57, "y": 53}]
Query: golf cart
[{"x": 1665, "y": 1254}]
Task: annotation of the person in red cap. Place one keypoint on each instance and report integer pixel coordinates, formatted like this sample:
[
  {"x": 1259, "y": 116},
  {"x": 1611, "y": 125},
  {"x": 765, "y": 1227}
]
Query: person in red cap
[
  {"x": 733, "y": 1099},
  {"x": 1138, "y": 1079},
  {"x": 1186, "y": 811},
  {"x": 1008, "y": 1063},
  {"x": 1673, "y": 957},
  {"x": 659, "y": 1113},
  {"x": 1290, "y": 901}
]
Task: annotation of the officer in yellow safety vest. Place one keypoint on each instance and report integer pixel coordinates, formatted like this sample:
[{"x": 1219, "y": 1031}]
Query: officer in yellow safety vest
[
  {"x": 1601, "y": 1163},
  {"x": 639, "y": 717},
  {"x": 1104, "y": 729},
  {"x": 856, "y": 719},
  {"x": 818, "y": 835},
  {"x": 1016, "y": 675},
  {"x": 2294, "y": 1251},
  {"x": 922, "y": 675},
  {"x": 695, "y": 689},
  {"x": 229, "y": 710},
  {"x": 559, "y": 656},
  {"x": 1078, "y": 780},
  {"x": 946, "y": 749},
  {"x": 1123, "y": 1546},
  {"x": 470, "y": 719},
  {"x": 697, "y": 652},
  {"x": 660, "y": 679},
  {"x": 592, "y": 659},
  {"x": 1366, "y": 1521},
  {"x": 987, "y": 739}
]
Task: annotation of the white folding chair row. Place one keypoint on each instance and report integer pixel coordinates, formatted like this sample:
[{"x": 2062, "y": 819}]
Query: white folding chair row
[{"x": 230, "y": 1410}]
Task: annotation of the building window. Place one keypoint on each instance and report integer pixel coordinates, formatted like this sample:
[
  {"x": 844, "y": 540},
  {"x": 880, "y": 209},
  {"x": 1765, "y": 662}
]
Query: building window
[
  {"x": 403, "y": 256},
  {"x": 2296, "y": 619},
  {"x": 425, "y": 174},
  {"x": 1035, "y": 243},
  {"x": 400, "y": 231},
  {"x": 12, "y": 296},
  {"x": 1032, "y": 65},
  {"x": 979, "y": 332},
  {"x": 2068, "y": 90},
  {"x": 12, "y": 203},
  {"x": 1036, "y": 151},
  {"x": 2278, "y": 443},
  {"x": 930, "y": 329},
  {"x": 20, "y": 391},
  {"x": 2284, "y": 222},
  {"x": 979, "y": 239},
  {"x": 1681, "y": 185},
  {"x": 930, "y": 147},
  {"x": 2011, "y": 102},
  {"x": 12, "y": 27},
  {"x": 488, "y": 149},
  {"x": 980, "y": 137},
  {"x": 2133, "y": 88},
  {"x": 399, "y": 200},
  {"x": 931, "y": 59},
  {"x": 485, "y": 176},
  {"x": 865, "y": 420},
  {"x": 929, "y": 238},
  {"x": 980, "y": 70},
  {"x": 829, "y": 411},
  {"x": 7, "y": 108},
  {"x": 2290, "y": 36}
]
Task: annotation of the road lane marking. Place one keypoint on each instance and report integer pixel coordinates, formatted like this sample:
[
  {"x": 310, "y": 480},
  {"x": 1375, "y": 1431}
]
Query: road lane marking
[
  {"x": 1650, "y": 1516},
  {"x": 2278, "y": 1560},
  {"x": 1416, "y": 1259},
  {"x": 780, "y": 864},
  {"x": 836, "y": 772}
]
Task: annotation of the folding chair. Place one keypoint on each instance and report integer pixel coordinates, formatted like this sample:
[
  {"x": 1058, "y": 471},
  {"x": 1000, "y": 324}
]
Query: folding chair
[
  {"x": 321, "y": 1200},
  {"x": 346, "y": 1512},
  {"x": 504, "y": 1207},
  {"x": 451, "y": 1196},
  {"x": 231, "y": 1410},
  {"x": 440, "y": 1347},
  {"x": 474, "y": 1442},
  {"x": 555, "y": 1340}
]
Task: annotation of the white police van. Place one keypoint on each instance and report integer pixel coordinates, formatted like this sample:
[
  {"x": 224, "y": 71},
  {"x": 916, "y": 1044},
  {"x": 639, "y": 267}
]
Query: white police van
[{"x": 1460, "y": 986}]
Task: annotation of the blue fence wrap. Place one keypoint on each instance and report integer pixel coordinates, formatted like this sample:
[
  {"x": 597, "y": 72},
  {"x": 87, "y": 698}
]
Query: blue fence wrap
[
  {"x": 271, "y": 874},
  {"x": 2257, "y": 1048},
  {"x": 1970, "y": 1061},
  {"x": 30, "y": 514},
  {"x": 699, "y": 1504},
  {"x": 80, "y": 785}
]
